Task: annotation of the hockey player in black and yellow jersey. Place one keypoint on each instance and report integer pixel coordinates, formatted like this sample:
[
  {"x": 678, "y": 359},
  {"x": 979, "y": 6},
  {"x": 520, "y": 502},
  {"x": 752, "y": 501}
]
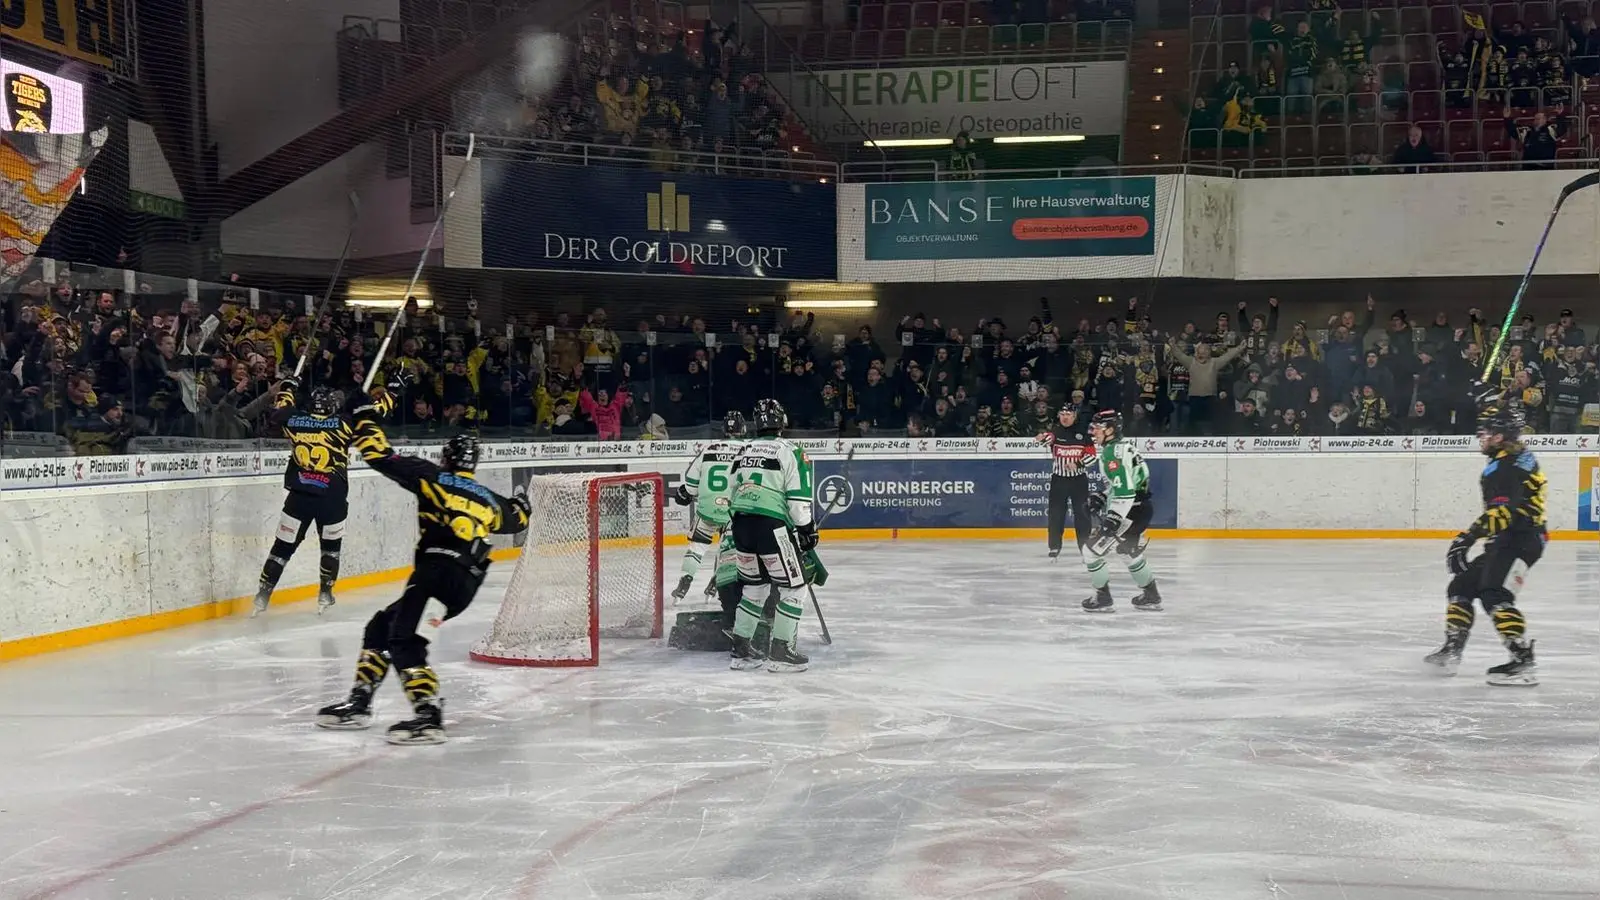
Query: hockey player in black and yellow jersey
[
  {"x": 1512, "y": 526},
  {"x": 455, "y": 516},
  {"x": 317, "y": 480}
]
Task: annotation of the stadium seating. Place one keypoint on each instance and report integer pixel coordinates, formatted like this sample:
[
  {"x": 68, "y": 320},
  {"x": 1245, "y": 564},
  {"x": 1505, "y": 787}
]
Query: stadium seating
[{"x": 1405, "y": 55}]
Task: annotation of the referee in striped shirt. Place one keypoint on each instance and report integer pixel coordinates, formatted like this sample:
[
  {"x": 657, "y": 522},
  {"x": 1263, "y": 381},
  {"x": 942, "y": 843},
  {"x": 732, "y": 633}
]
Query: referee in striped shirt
[{"x": 1070, "y": 445}]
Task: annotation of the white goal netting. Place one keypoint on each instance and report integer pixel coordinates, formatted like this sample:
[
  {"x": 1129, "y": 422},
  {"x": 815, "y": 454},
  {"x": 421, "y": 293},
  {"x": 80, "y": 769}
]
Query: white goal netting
[{"x": 590, "y": 569}]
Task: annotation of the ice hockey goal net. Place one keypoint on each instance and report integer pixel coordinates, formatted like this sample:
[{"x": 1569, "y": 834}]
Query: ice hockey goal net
[{"x": 589, "y": 569}]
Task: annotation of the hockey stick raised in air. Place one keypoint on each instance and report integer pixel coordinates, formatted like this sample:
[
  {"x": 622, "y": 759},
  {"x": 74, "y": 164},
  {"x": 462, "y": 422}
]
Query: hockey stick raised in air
[
  {"x": 422, "y": 260},
  {"x": 1578, "y": 184},
  {"x": 333, "y": 282}
]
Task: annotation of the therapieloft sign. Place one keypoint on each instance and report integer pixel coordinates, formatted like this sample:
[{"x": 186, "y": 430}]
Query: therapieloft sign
[
  {"x": 853, "y": 105},
  {"x": 1008, "y": 219},
  {"x": 603, "y": 219}
]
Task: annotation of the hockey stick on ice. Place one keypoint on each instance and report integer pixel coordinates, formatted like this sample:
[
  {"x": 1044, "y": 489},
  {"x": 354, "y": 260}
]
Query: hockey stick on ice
[
  {"x": 1578, "y": 184},
  {"x": 844, "y": 473},
  {"x": 333, "y": 282},
  {"x": 422, "y": 260}
]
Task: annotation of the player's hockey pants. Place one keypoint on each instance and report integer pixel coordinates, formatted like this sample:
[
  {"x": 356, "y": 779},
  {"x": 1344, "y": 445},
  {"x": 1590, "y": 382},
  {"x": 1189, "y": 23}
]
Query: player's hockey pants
[
  {"x": 394, "y": 628},
  {"x": 1069, "y": 492},
  {"x": 1495, "y": 576}
]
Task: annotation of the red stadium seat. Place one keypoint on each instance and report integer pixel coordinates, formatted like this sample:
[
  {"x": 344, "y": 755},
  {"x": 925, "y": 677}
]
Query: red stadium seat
[
  {"x": 947, "y": 41},
  {"x": 871, "y": 18},
  {"x": 925, "y": 14},
  {"x": 893, "y": 45},
  {"x": 978, "y": 13},
  {"x": 1063, "y": 36},
  {"x": 866, "y": 44},
  {"x": 1462, "y": 136},
  {"x": 953, "y": 13},
  {"x": 897, "y": 16},
  {"x": 922, "y": 43},
  {"x": 841, "y": 44},
  {"x": 1470, "y": 156},
  {"x": 1331, "y": 140},
  {"x": 1299, "y": 141},
  {"x": 1426, "y": 106}
]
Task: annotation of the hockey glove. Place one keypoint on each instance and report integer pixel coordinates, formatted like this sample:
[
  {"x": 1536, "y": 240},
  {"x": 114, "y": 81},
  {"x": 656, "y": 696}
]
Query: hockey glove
[
  {"x": 1097, "y": 503},
  {"x": 523, "y": 506},
  {"x": 1456, "y": 559},
  {"x": 682, "y": 496},
  {"x": 806, "y": 537}
]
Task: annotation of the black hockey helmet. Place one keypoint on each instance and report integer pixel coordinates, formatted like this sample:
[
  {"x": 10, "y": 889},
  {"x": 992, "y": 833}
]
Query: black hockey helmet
[
  {"x": 323, "y": 401},
  {"x": 461, "y": 454},
  {"x": 770, "y": 419},
  {"x": 1107, "y": 418},
  {"x": 733, "y": 424},
  {"x": 1503, "y": 421}
]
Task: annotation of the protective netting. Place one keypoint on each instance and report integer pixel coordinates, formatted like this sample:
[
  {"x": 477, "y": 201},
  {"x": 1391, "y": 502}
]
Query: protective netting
[{"x": 590, "y": 568}]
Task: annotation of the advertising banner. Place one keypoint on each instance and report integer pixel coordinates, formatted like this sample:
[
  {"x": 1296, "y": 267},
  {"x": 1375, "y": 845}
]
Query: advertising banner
[
  {"x": 854, "y": 105},
  {"x": 1588, "y": 493},
  {"x": 92, "y": 32},
  {"x": 39, "y": 174},
  {"x": 602, "y": 219},
  {"x": 1000, "y": 493},
  {"x": 1009, "y": 219}
]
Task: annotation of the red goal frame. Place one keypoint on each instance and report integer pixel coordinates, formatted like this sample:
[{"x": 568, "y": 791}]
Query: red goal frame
[{"x": 657, "y": 593}]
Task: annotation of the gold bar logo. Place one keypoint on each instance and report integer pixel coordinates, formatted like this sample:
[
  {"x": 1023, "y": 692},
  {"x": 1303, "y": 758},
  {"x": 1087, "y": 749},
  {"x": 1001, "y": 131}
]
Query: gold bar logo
[{"x": 667, "y": 210}]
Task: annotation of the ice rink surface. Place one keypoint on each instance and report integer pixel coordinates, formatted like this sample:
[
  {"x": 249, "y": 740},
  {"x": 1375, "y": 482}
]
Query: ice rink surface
[{"x": 970, "y": 733}]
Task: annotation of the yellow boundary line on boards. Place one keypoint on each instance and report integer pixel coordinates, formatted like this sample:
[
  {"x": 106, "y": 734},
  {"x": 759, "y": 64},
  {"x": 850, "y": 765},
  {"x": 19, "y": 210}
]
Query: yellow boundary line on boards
[{"x": 222, "y": 609}]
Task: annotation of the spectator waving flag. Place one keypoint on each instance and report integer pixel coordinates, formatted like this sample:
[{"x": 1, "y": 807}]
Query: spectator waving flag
[{"x": 1473, "y": 20}]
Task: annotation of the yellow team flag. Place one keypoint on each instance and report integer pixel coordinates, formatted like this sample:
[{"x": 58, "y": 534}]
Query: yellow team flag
[{"x": 1474, "y": 20}]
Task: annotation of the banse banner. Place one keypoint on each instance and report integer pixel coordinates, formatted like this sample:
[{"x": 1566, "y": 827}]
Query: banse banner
[
  {"x": 983, "y": 493},
  {"x": 540, "y": 215},
  {"x": 1011, "y": 219}
]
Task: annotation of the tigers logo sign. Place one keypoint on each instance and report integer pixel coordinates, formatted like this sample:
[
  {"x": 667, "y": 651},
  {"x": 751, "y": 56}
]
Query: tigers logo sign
[{"x": 88, "y": 30}]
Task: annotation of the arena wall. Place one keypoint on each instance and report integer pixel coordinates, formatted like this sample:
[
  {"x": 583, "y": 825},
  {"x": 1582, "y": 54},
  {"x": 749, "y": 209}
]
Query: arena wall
[{"x": 136, "y": 544}]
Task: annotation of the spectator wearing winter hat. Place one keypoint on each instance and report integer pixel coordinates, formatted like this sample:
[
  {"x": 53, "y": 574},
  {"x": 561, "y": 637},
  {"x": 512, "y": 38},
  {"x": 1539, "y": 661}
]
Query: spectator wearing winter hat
[{"x": 1570, "y": 332}]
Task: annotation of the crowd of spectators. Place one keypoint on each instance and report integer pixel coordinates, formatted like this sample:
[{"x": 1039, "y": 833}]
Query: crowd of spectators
[
  {"x": 633, "y": 85},
  {"x": 100, "y": 369},
  {"x": 1334, "y": 65}
]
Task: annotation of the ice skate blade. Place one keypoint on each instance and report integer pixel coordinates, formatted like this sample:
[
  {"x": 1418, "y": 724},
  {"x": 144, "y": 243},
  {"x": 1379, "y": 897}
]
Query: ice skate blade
[
  {"x": 425, "y": 736},
  {"x": 1147, "y": 607},
  {"x": 746, "y": 665},
  {"x": 1521, "y": 679},
  {"x": 784, "y": 668},
  {"x": 337, "y": 723},
  {"x": 1445, "y": 669},
  {"x": 324, "y": 607},
  {"x": 1099, "y": 610}
]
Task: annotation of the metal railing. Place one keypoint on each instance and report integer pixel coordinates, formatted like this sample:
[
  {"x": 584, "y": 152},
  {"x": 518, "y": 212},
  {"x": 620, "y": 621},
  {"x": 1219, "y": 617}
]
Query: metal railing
[
  {"x": 784, "y": 164},
  {"x": 929, "y": 170}
]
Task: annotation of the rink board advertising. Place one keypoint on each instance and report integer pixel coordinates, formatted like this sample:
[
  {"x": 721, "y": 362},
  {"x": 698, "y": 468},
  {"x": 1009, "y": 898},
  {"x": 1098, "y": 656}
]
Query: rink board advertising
[
  {"x": 854, "y": 105},
  {"x": 602, "y": 219},
  {"x": 997, "y": 493},
  {"x": 1011, "y": 219},
  {"x": 1588, "y": 493}
]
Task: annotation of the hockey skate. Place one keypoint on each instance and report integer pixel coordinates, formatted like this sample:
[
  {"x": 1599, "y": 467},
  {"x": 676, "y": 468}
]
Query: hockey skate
[
  {"x": 1448, "y": 658},
  {"x": 1519, "y": 672},
  {"x": 259, "y": 605},
  {"x": 1100, "y": 602},
  {"x": 744, "y": 656},
  {"x": 1055, "y": 552},
  {"x": 325, "y": 600},
  {"x": 353, "y": 714},
  {"x": 682, "y": 590},
  {"x": 426, "y": 728},
  {"x": 783, "y": 657},
  {"x": 1149, "y": 599}
]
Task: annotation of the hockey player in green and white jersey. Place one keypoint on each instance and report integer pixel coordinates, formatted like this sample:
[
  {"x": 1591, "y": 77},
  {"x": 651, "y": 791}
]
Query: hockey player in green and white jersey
[
  {"x": 706, "y": 484},
  {"x": 772, "y": 531},
  {"x": 1122, "y": 514}
]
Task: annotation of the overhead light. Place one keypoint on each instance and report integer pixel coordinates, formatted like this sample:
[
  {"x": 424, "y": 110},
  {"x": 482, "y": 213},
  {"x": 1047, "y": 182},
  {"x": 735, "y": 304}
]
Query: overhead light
[
  {"x": 907, "y": 142},
  {"x": 385, "y": 293},
  {"x": 716, "y": 225},
  {"x": 794, "y": 148},
  {"x": 1161, "y": 70},
  {"x": 801, "y": 303},
  {"x": 1040, "y": 139},
  {"x": 829, "y": 288},
  {"x": 822, "y": 181}
]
